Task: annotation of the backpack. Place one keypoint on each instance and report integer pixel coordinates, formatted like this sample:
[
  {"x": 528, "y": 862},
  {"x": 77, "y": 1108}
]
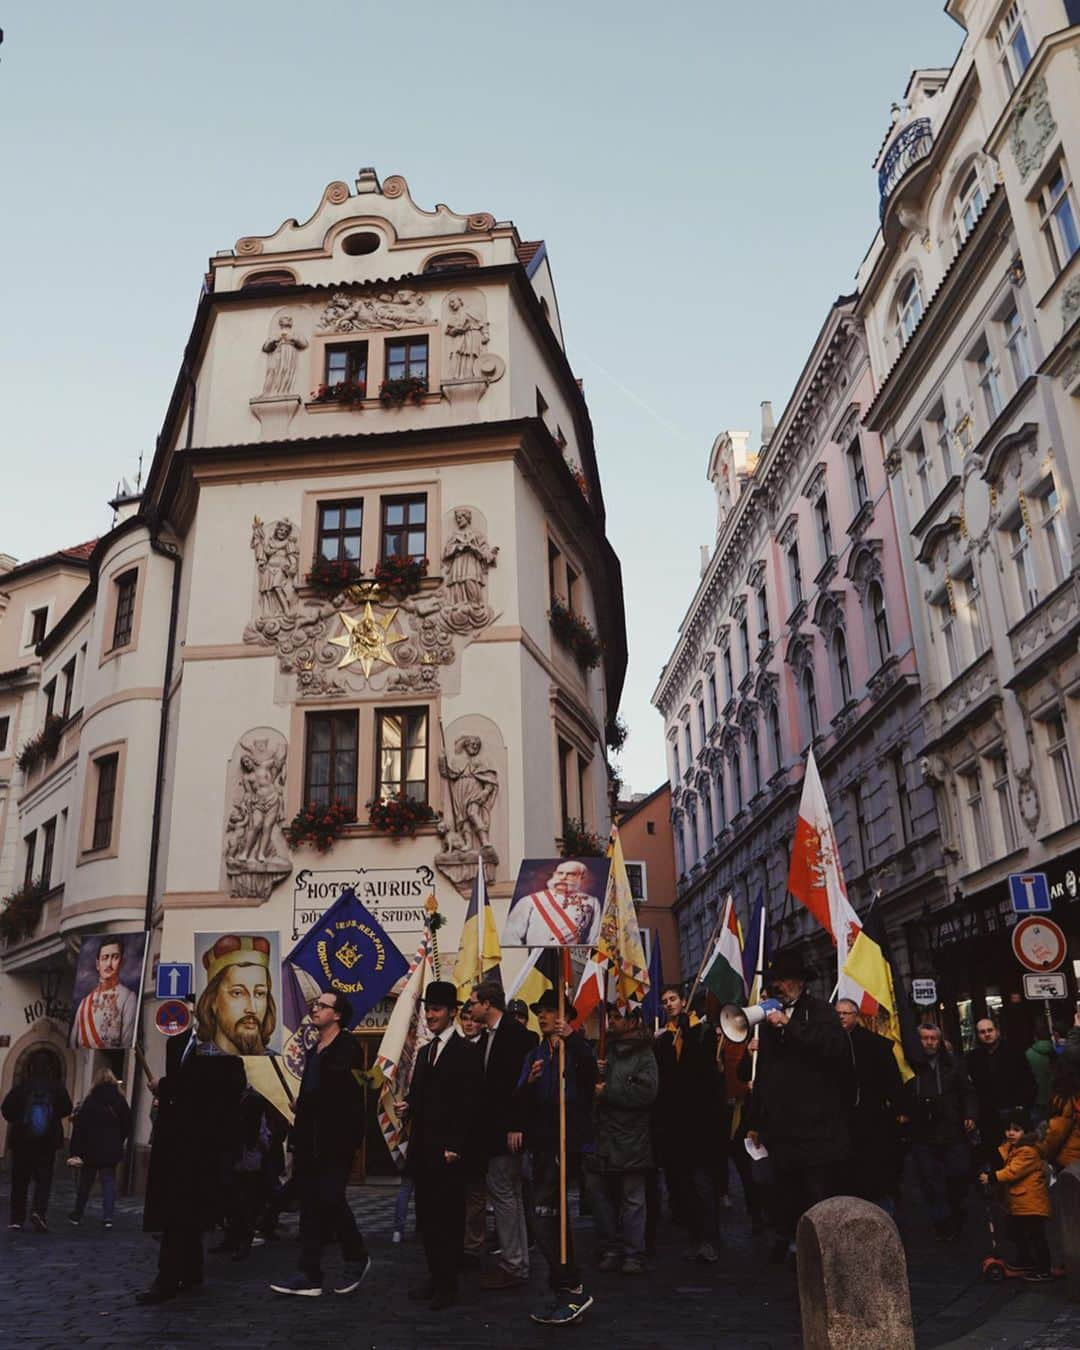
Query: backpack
[{"x": 39, "y": 1115}]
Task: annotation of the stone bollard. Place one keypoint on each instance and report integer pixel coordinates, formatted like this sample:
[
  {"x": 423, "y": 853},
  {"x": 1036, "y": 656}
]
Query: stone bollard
[
  {"x": 853, "y": 1288},
  {"x": 1066, "y": 1194}
]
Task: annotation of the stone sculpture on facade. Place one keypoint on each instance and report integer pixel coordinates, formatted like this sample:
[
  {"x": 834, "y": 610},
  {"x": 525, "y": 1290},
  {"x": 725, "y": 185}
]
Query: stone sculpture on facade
[
  {"x": 472, "y": 788},
  {"x": 421, "y": 633},
  {"x": 281, "y": 349},
  {"x": 1032, "y": 127},
  {"x": 374, "y": 309},
  {"x": 469, "y": 332},
  {"x": 256, "y": 854},
  {"x": 277, "y": 560}
]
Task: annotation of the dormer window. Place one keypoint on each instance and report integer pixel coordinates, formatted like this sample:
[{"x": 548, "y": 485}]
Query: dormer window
[
  {"x": 1013, "y": 48},
  {"x": 967, "y": 205},
  {"x": 451, "y": 262},
  {"x": 909, "y": 309}
]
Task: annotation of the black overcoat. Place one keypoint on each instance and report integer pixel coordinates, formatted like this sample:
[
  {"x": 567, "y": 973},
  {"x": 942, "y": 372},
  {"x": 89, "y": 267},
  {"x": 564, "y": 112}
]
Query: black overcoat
[{"x": 443, "y": 1104}]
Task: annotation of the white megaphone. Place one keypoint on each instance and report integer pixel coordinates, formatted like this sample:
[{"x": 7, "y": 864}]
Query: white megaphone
[{"x": 737, "y": 1023}]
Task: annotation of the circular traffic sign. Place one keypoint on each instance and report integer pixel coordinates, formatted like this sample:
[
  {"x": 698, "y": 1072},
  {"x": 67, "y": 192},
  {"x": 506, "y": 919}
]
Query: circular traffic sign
[
  {"x": 172, "y": 1017},
  {"x": 1038, "y": 943}
]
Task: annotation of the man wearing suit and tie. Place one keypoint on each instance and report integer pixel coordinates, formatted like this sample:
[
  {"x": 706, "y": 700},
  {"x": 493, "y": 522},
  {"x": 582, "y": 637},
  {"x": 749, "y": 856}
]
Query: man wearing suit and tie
[
  {"x": 441, "y": 1109},
  {"x": 504, "y": 1045}
]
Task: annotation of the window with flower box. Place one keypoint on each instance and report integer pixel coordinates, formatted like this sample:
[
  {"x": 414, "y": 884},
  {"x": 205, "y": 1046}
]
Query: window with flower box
[
  {"x": 404, "y": 527},
  {"x": 330, "y": 762},
  {"x": 1059, "y": 216},
  {"x": 407, "y": 359},
  {"x": 401, "y": 753},
  {"x": 346, "y": 367},
  {"x": 339, "y": 526}
]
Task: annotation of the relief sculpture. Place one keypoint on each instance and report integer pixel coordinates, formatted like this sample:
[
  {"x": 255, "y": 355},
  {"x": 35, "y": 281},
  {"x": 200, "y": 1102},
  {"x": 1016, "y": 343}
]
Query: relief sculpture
[
  {"x": 374, "y": 309},
  {"x": 471, "y": 777},
  {"x": 256, "y": 854}
]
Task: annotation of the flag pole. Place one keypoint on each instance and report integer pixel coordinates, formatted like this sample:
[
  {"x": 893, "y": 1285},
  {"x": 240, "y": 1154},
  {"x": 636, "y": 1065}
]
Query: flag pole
[
  {"x": 759, "y": 978},
  {"x": 562, "y": 1120}
]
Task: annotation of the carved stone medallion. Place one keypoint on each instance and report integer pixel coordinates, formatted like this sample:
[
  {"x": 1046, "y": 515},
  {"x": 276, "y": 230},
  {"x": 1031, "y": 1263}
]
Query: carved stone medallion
[{"x": 1032, "y": 127}]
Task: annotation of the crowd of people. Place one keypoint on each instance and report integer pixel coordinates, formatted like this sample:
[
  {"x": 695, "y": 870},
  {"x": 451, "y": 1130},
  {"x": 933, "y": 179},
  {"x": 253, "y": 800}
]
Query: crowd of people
[{"x": 816, "y": 1105}]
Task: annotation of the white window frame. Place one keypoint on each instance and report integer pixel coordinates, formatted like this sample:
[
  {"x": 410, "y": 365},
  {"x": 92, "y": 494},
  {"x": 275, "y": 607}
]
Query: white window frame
[
  {"x": 1002, "y": 785},
  {"x": 1024, "y": 569},
  {"x": 988, "y": 373},
  {"x": 975, "y": 802},
  {"x": 637, "y": 862},
  {"x": 1013, "y": 46},
  {"x": 1059, "y": 752},
  {"x": 909, "y": 307},
  {"x": 857, "y": 472},
  {"x": 924, "y": 472},
  {"x": 1053, "y": 524},
  {"x": 824, "y": 527},
  {"x": 953, "y": 664},
  {"x": 941, "y": 440},
  {"x": 795, "y": 579},
  {"x": 1016, "y": 344},
  {"x": 973, "y": 614},
  {"x": 1057, "y": 205},
  {"x": 967, "y": 205}
]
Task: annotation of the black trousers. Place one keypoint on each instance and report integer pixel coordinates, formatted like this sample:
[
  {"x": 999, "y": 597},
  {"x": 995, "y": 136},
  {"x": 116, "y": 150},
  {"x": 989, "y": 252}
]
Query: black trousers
[
  {"x": 1028, "y": 1231},
  {"x": 561, "y": 1275},
  {"x": 798, "y": 1186},
  {"x": 684, "y": 1194},
  {"x": 325, "y": 1217},
  {"x": 180, "y": 1256},
  {"x": 439, "y": 1193},
  {"x": 31, "y": 1165}
]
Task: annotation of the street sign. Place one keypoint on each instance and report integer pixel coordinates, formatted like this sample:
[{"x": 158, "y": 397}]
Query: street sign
[
  {"x": 1030, "y": 892},
  {"x": 173, "y": 979},
  {"x": 1052, "y": 985},
  {"x": 924, "y": 992},
  {"x": 1039, "y": 944},
  {"x": 172, "y": 1017}
]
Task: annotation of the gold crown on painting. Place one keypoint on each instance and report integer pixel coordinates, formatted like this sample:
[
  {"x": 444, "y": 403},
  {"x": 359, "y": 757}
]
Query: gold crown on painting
[
  {"x": 348, "y": 955},
  {"x": 236, "y": 949}
]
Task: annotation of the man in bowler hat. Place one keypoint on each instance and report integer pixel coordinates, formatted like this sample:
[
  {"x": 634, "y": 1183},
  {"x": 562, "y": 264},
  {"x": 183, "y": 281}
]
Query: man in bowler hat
[{"x": 441, "y": 1111}]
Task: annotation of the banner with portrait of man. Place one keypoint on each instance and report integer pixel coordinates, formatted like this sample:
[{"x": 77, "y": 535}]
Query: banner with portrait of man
[
  {"x": 108, "y": 978},
  {"x": 237, "y": 992},
  {"x": 557, "y": 902}
]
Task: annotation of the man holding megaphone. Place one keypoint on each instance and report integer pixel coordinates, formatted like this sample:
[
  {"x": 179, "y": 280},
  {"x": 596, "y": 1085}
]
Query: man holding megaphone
[{"x": 802, "y": 1089}]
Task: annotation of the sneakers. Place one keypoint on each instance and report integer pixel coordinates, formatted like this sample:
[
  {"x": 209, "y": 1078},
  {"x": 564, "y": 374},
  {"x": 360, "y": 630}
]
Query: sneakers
[
  {"x": 258, "y": 1241},
  {"x": 17, "y": 1227},
  {"x": 74, "y": 1220},
  {"x": 106, "y": 1223},
  {"x": 399, "y": 1236},
  {"x": 352, "y": 1276},
  {"x": 633, "y": 1265},
  {"x": 608, "y": 1262},
  {"x": 1037, "y": 1277},
  {"x": 565, "y": 1307},
  {"x": 706, "y": 1252},
  {"x": 298, "y": 1284},
  {"x": 38, "y": 1221}
]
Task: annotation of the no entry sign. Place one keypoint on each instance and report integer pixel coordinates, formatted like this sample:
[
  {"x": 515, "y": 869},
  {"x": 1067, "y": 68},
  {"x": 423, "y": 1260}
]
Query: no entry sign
[
  {"x": 172, "y": 1017},
  {"x": 1039, "y": 944}
]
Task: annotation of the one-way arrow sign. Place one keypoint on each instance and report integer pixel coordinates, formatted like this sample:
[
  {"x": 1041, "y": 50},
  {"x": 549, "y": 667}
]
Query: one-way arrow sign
[{"x": 173, "y": 979}]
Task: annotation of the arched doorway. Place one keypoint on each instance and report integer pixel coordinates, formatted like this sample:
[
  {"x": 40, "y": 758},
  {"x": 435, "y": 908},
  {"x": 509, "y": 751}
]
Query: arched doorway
[{"x": 47, "y": 1038}]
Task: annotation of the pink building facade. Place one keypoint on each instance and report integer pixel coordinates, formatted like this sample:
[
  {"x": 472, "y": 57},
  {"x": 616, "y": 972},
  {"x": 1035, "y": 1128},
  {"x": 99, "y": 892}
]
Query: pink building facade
[{"x": 799, "y": 635}]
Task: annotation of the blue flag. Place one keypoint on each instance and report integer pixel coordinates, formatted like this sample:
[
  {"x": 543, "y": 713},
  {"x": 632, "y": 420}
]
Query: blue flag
[
  {"x": 753, "y": 942},
  {"x": 651, "y": 1009},
  {"x": 348, "y": 951}
]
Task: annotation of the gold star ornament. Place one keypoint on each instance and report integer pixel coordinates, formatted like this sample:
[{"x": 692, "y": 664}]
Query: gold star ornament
[{"x": 367, "y": 640}]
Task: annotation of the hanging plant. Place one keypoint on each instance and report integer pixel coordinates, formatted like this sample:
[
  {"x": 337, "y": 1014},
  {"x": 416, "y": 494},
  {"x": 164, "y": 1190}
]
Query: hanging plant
[
  {"x": 21, "y": 911},
  {"x": 577, "y": 634},
  {"x": 406, "y": 388},
  {"x": 42, "y": 746},
  {"x": 317, "y": 825},
  {"x": 401, "y": 574},
  {"x": 616, "y": 734},
  {"x": 350, "y": 393},
  {"x": 398, "y": 815},
  {"x": 578, "y": 841}
]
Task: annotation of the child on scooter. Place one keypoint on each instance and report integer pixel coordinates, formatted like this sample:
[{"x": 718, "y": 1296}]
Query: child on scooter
[{"x": 1027, "y": 1196}]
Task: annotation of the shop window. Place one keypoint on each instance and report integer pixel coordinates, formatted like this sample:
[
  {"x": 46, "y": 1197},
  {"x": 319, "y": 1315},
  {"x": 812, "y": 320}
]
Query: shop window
[
  {"x": 330, "y": 759},
  {"x": 401, "y": 748}
]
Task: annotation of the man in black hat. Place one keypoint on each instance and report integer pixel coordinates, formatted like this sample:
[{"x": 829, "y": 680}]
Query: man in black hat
[
  {"x": 441, "y": 1110},
  {"x": 801, "y": 1096},
  {"x": 519, "y": 1011},
  {"x": 538, "y": 1090}
]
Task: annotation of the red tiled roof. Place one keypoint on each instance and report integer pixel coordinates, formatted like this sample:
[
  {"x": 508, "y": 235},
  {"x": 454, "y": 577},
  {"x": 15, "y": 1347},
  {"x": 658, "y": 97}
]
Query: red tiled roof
[
  {"x": 528, "y": 249},
  {"x": 78, "y": 553}
]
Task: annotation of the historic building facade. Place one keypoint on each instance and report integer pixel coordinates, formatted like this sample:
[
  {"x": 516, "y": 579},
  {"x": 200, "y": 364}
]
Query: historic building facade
[
  {"x": 970, "y": 295},
  {"x": 369, "y": 563},
  {"x": 799, "y": 636}
]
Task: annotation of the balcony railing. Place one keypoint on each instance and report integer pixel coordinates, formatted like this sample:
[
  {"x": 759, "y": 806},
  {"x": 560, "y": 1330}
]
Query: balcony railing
[{"x": 913, "y": 144}]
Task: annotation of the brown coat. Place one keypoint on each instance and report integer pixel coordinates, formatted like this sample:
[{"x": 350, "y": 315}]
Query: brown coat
[
  {"x": 1062, "y": 1143},
  {"x": 1024, "y": 1178}
]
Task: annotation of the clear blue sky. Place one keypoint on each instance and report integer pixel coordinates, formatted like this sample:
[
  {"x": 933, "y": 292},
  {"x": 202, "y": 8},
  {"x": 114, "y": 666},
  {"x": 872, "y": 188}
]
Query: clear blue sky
[{"x": 701, "y": 172}]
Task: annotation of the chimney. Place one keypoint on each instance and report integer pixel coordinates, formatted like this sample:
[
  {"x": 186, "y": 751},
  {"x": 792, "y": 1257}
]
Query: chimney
[
  {"x": 704, "y": 559},
  {"x": 768, "y": 425}
]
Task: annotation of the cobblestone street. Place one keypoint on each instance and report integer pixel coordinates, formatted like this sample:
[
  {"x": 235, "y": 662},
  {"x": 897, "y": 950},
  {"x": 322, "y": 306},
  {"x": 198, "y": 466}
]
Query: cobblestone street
[{"x": 76, "y": 1286}]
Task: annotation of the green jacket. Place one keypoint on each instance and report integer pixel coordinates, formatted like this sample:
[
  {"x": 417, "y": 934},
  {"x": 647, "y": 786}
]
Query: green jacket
[
  {"x": 622, "y": 1113},
  {"x": 1041, "y": 1058}
]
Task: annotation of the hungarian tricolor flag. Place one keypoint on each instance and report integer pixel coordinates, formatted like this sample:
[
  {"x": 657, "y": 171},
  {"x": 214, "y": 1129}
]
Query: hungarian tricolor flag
[
  {"x": 816, "y": 878},
  {"x": 723, "y": 972}
]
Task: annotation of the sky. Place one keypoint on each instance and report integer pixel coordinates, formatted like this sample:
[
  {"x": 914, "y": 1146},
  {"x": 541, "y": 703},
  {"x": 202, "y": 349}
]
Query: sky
[{"x": 701, "y": 172}]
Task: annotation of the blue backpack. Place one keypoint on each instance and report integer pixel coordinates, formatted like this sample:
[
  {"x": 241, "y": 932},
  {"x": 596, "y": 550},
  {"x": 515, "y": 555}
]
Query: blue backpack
[{"x": 38, "y": 1115}]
